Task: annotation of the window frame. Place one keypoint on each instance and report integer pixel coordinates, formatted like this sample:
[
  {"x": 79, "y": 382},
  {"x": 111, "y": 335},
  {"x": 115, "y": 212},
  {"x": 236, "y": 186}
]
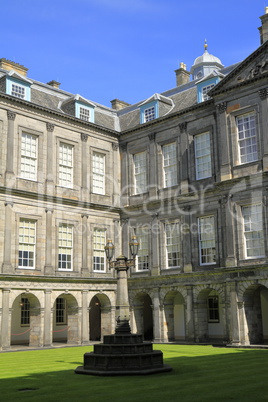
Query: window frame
[
  {"x": 202, "y": 157},
  {"x": 10, "y": 81},
  {"x": 99, "y": 177},
  {"x": 202, "y": 241},
  {"x": 62, "y": 309},
  {"x": 99, "y": 252},
  {"x": 142, "y": 258},
  {"x": 213, "y": 310},
  {"x": 24, "y": 244},
  {"x": 167, "y": 168},
  {"x": 251, "y": 113},
  {"x": 148, "y": 106},
  {"x": 138, "y": 173},
  {"x": 89, "y": 108},
  {"x": 245, "y": 240},
  {"x": 34, "y": 159},
  {"x": 68, "y": 226},
  {"x": 179, "y": 248},
  {"x": 25, "y": 312},
  {"x": 63, "y": 166}
]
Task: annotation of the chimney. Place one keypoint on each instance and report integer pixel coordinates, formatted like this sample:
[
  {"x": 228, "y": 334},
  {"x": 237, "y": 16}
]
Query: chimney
[
  {"x": 11, "y": 65},
  {"x": 182, "y": 75},
  {"x": 264, "y": 28},
  {"x": 118, "y": 104},
  {"x": 54, "y": 84}
]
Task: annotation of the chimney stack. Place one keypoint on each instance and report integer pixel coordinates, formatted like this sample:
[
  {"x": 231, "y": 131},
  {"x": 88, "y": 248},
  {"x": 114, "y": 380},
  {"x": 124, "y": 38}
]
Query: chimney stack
[
  {"x": 264, "y": 28},
  {"x": 11, "y": 65},
  {"x": 182, "y": 75},
  {"x": 54, "y": 84},
  {"x": 118, "y": 104}
]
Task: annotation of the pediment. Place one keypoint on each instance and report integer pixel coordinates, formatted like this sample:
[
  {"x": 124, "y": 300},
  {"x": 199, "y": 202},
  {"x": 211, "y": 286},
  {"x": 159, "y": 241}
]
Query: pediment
[{"x": 254, "y": 67}]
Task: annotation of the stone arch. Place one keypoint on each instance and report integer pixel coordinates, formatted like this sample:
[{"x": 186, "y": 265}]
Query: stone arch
[
  {"x": 210, "y": 314},
  {"x": 26, "y": 323},
  {"x": 66, "y": 325},
  {"x": 254, "y": 313},
  {"x": 99, "y": 317},
  {"x": 174, "y": 316},
  {"x": 143, "y": 314}
]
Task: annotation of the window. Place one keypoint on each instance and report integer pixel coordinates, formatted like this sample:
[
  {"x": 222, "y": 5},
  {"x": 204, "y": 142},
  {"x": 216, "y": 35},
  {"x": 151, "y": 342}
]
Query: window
[
  {"x": 143, "y": 253},
  {"x": 205, "y": 91},
  {"x": 65, "y": 247},
  {"x": 149, "y": 111},
  {"x": 207, "y": 249},
  {"x": 173, "y": 248},
  {"x": 65, "y": 165},
  {"x": 18, "y": 91},
  {"x": 27, "y": 240},
  {"x": 25, "y": 311},
  {"x": 84, "y": 114},
  {"x": 247, "y": 138},
  {"x": 61, "y": 317},
  {"x": 253, "y": 231},
  {"x": 99, "y": 241},
  {"x": 140, "y": 173},
  {"x": 149, "y": 114},
  {"x": 28, "y": 162},
  {"x": 170, "y": 164},
  {"x": 98, "y": 170},
  {"x": 202, "y": 156},
  {"x": 213, "y": 309}
]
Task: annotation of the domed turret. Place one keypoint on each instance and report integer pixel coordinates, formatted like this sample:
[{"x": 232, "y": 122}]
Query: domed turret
[{"x": 205, "y": 64}]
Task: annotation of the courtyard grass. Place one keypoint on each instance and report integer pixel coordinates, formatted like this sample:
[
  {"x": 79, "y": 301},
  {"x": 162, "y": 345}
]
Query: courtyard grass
[{"x": 200, "y": 373}]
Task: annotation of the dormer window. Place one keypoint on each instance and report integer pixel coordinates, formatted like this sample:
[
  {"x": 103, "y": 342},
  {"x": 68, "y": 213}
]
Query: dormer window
[
  {"x": 205, "y": 91},
  {"x": 18, "y": 86},
  {"x": 205, "y": 85},
  {"x": 18, "y": 91},
  {"x": 84, "y": 113},
  {"x": 149, "y": 112}
]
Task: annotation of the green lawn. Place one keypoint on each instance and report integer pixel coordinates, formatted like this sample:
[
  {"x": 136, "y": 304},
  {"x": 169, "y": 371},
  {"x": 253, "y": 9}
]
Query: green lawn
[{"x": 200, "y": 373}]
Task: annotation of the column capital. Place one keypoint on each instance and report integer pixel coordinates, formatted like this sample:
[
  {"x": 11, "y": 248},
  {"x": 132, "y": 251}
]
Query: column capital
[
  {"x": 84, "y": 137},
  {"x": 183, "y": 126},
  {"x": 49, "y": 210},
  {"x": 115, "y": 146},
  {"x": 50, "y": 127},
  {"x": 11, "y": 115},
  {"x": 221, "y": 107},
  {"x": 151, "y": 136},
  {"x": 263, "y": 93}
]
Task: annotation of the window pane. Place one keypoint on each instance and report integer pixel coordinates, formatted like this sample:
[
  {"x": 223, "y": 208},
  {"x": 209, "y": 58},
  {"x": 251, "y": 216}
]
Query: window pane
[
  {"x": 18, "y": 91},
  {"x": 170, "y": 164},
  {"x": 173, "y": 249},
  {"x": 99, "y": 241},
  {"x": 247, "y": 138},
  {"x": 65, "y": 247},
  {"x": 140, "y": 172},
  {"x": 149, "y": 114},
  {"x": 253, "y": 231},
  {"x": 202, "y": 156},
  {"x": 27, "y": 240},
  {"x": 143, "y": 253},
  {"x": 207, "y": 248},
  {"x": 98, "y": 170},
  {"x": 28, "y": 166},
  {"x": 65, "y": 165},
  {"x": 84, "y": 114}
]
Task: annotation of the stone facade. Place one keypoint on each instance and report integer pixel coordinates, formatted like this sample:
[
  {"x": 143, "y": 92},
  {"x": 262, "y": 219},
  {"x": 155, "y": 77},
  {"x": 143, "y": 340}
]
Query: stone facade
[{"x": 190, "y": 181}]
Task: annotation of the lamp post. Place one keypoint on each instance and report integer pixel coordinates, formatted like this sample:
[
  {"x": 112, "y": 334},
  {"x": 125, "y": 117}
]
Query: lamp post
[{"x": 121, "y": 265}]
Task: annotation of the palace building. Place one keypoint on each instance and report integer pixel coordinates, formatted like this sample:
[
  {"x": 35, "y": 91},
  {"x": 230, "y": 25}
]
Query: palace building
[{"x": 186, "y": 171}]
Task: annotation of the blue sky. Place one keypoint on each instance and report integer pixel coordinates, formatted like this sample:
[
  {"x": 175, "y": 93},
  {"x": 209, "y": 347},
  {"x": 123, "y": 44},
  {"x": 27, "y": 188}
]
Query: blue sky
[{"x": 125, "y": 49}]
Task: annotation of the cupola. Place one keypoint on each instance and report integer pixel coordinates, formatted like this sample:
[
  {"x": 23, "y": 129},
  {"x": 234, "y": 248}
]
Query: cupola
[{"x": 205, "y": 64}]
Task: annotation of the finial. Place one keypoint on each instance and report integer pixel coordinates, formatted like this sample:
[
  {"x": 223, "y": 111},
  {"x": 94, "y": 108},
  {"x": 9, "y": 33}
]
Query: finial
[{"x": 206, "y": 46}]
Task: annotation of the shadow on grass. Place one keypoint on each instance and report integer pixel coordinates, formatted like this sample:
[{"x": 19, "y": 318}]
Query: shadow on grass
[{"x": 222, "y": 375}]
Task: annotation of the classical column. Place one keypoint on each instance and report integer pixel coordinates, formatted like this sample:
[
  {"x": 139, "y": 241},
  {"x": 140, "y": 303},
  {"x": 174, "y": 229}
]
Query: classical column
[
  {"x": 234, "y": 327},
  {"x": 6, "y": 320},
  {"x": 10, "y": 148},
  {"x": 187, "y": 247},
  {"x": 50, "y": 159},
  {"x": 125, "y": 173},
  {"x": 7, "y": 267},
  {"x": 48, "y": 319},
  {"x": 84, "y": 172},
  {"x": 49, "y": 243},
  {"x": 84, "y": 269},
  {"x": 190, "y": 334},
  {"x": 85, "y": 318},
  {"x": 155, "y": 246},
  {"x": 184, "y": 146},
  {"x": 156, "y": 316},
  {"x": 263, "y": 123},
  {"x": 153, "y": 179},
  {"x": 225, "y": 169},
  {"x": 228, "y": 230}
]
